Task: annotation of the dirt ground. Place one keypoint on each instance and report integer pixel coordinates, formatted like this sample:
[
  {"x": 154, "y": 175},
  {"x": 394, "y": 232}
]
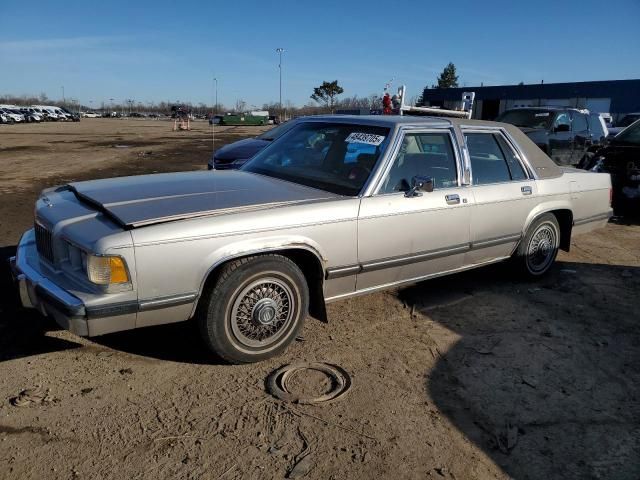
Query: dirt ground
[{"x": 477, "y": 375}]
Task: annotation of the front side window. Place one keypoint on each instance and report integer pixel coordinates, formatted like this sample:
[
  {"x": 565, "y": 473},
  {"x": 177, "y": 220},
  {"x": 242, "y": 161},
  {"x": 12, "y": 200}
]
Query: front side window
[
  {"x": 492, "y": 159},
  {"x": 579, "y": 122},
  {"x": 335, "y": 157},
  {"x": 563, "y": 119},
  {"x": 422, "y": 154}
]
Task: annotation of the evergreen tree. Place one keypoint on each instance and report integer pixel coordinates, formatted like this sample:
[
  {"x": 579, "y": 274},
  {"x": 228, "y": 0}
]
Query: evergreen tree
[{"x": 448, "y": 77}]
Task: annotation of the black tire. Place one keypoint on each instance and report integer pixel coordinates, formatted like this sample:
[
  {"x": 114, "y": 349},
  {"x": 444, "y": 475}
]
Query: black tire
[
  {"x": 538, "y": 249},
  {"x": 255, "y": 309}
]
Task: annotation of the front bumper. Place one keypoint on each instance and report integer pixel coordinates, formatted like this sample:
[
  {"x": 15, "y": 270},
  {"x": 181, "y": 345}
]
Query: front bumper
[
  {"x": 82, "y": 312},
  {"x": 37, "y": 291},
  {"x": 85, "y": 311}
]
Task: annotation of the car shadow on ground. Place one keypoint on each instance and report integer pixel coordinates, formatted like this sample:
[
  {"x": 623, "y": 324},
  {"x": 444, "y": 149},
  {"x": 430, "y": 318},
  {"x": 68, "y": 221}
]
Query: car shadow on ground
[
  {"x": 177, "y": 342},
  {"x": 22, "y": 332},
  {"x": 543, "y": 376}
]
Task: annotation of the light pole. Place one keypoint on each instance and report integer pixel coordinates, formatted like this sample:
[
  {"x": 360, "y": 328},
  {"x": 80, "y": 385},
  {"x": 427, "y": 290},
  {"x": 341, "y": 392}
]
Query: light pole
[
  {"x": 280, "y": 50},
  {"x": 63, "y": 101},
  {"x": 215, "y": 89}
]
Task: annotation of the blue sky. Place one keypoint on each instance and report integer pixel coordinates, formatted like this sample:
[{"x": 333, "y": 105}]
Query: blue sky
[{"x": 157, "y": 50}]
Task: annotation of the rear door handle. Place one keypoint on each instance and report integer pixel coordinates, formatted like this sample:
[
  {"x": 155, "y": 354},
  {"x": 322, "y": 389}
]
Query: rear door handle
[
  {"x": 452, "y": 199},
  {"x": 526, "y": 190}
]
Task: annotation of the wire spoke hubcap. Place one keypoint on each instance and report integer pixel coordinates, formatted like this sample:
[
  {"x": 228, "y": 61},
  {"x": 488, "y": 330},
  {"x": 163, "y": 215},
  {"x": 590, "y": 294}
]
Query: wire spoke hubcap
[
  {"x": 542, "y": 247},
  {"x": 262, "y": 312}
]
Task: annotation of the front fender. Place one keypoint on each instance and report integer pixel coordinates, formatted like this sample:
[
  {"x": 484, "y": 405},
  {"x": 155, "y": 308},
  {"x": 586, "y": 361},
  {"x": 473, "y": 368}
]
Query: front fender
[{"x": 255, "y": 246}]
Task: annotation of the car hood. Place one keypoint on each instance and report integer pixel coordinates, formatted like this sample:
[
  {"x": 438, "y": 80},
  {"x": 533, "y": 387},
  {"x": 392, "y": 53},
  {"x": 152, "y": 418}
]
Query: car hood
[
  {"x": 149, "y": 199},
  {"x": 246, "y": 148}
]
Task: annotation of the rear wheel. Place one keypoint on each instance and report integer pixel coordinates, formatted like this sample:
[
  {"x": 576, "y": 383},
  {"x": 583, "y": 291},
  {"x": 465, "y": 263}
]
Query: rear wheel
[
  {"x": 538, "y": 250},
  {"x": 255, "y": 309}
]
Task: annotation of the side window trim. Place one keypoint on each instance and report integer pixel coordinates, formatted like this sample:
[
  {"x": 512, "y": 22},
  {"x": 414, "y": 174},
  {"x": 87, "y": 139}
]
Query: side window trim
[
  {"x": 402, "y": 133},
  {"x": 509, "y": 141},
  {"x": 505, "y": 144}
]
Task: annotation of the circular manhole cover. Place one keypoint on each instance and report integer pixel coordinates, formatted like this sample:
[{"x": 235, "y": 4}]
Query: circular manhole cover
[{"x": 309, "y": 383}]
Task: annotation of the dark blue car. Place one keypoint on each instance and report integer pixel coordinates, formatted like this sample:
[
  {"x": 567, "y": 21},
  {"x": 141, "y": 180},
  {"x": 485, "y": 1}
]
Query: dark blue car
[{"x": 235, "y": 154}]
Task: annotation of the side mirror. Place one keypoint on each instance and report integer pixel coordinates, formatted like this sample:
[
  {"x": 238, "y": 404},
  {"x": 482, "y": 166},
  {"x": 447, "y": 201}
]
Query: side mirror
[
  {"x": 420, "y": 184},
  {"x": 563, "y": 127}
]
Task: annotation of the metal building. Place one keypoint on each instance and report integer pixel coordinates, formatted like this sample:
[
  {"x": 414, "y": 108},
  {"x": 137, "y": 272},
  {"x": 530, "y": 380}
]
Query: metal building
[{"x": 612, "y": 96}]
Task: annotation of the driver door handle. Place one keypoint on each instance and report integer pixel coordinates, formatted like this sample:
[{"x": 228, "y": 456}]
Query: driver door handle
[{"x": 452, "y": 199}]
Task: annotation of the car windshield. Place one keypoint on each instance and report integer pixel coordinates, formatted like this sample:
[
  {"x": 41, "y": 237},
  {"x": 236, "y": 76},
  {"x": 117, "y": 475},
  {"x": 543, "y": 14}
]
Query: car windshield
[
  {"x": 335, "y": 157},
  {"x": 276, "y": 132},
  {"x": 528, "y": 118},
  {"x": 630, "y": 135},
  {"x": 628, "y": 120}
]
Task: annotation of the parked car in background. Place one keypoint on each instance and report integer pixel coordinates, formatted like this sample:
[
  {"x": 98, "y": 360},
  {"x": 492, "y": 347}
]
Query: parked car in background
[
  {"x": 3, "y": 118},
  {"x": 620, "y": 157},
  {"x": 91, "y": 115},
  {"x": 72, "y": 116},
  {"x": 562, "y": 133},
  {"x": 43, "y": 113},
  {"x": 12, "y": 117},
  {"x": 336, "y": 207},
  {"x": 30, "y": 115},
  {"x": 237, "y": 153},
  {"x": 624, "y": 122}
]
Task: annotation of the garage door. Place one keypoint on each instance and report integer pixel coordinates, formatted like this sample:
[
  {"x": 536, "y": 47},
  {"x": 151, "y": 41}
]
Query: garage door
[{"x": 598, "y": 105}]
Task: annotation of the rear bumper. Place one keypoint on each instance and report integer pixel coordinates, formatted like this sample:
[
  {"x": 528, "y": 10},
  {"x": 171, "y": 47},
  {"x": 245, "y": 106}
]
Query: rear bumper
[{"x": 37, "y": 291}]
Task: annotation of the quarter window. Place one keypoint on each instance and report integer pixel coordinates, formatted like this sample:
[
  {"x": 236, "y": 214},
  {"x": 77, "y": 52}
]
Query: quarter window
[
  {"x": 492, "y": 159},
  {"x": 426, "y": 155}
]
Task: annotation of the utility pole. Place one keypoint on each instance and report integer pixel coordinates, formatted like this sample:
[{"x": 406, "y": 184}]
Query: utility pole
[
  {"x": 280, "y": 50},
  {"x": 63, "y": 100}
]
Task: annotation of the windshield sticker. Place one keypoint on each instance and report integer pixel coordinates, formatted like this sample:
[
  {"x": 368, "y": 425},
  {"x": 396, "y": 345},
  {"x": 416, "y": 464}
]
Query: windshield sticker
[
  {"x": 368, "y": 138},
  {"x": 544, "y": 114}
]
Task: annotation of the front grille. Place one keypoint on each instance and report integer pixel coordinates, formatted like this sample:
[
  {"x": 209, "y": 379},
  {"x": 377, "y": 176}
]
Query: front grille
[{"x": 44, "y": 242}]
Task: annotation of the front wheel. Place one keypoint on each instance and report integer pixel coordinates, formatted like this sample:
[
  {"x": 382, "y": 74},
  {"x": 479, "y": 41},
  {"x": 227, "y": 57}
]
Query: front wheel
[
  {"x": 538, "y": 250},
  {"x": 255, "y": 309}
]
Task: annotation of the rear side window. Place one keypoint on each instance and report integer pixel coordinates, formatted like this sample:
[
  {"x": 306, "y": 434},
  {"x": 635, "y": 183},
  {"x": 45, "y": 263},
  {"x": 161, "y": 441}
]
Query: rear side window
[
  {"x": 579, "y": 122},
  {"x": 492, "y": 159},
  {"x": 595, "y": 125}
]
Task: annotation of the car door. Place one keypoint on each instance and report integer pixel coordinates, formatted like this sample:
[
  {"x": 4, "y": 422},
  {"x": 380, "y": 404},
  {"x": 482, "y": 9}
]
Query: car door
[
  {"x": 581, "y": 136},
  {"x": 560, "y": 139},
  {"x": 504, "y": 195},
  {"x": 404, "y": 237}
]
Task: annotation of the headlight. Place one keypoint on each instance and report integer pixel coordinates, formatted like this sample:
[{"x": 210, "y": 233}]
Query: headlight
[{"x": 106, "y": 269}]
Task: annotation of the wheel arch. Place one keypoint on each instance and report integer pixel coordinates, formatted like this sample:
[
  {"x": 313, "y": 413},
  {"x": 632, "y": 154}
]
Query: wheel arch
[
  {"x": 564, "y": 215},
  {"x": 306, "y": 256}
]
